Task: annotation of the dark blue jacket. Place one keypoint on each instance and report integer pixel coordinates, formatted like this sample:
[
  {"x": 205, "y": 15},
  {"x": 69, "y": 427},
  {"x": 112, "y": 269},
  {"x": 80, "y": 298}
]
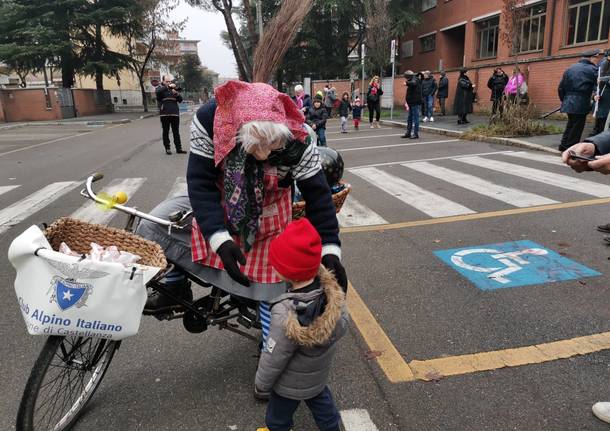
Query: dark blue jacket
[
  {"x": 167, "y": 101},
  {"x": 443, "y": 88},
  {"x": 577, "y": 86},
  {"x": 428, "y": 87}
]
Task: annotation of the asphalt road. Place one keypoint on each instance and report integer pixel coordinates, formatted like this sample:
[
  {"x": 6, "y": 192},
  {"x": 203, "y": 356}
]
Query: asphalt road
[{"x": 166, "y": 378}]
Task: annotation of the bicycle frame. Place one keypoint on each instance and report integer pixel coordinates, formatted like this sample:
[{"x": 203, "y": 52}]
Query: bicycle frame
[{"x": 216, "y": 312}]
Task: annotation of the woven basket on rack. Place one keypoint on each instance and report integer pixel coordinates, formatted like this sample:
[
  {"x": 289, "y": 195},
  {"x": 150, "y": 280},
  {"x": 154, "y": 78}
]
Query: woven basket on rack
[
  {"x": 298, "y": 208},
  {"x": 79, "y": 235}
]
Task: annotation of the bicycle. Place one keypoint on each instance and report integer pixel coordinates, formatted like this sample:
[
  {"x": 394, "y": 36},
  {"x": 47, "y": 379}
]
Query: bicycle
[{"x": 69, "y": 369}]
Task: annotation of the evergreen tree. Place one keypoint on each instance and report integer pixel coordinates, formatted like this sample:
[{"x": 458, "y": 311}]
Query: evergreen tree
[{"x": 191, "y": 76}]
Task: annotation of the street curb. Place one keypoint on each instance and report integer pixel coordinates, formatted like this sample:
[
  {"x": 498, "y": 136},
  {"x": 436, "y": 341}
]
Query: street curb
[
  {"x": 513, "y": 142},
  {"x": 81, "y": 123}
]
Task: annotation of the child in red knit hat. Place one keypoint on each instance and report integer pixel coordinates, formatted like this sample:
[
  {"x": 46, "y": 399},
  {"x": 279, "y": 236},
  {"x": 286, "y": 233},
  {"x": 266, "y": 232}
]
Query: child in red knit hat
[{"x": 306, "y": 323}]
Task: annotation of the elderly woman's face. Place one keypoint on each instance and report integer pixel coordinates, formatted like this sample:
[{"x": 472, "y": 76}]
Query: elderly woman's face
[{"x": 262, "y": 152}]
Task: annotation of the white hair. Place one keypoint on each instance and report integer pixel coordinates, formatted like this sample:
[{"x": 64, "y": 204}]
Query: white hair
[
  {"x": 168, "y": 77},
  {"x": 262, "y": 134},
  {"x": 298, "y": 88}
]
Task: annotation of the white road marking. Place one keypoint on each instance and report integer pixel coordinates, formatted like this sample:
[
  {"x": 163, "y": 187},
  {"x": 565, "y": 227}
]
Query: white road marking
[
  {"x": 410, "y": 144},
  {"x": 563, "y": 181},
  {"x": 545, "y": 158},
  {"x": 178, "y": 189},
  {"x": 411, "y": 194},
  {"x": 511, "y": 196},
  {"x": 357, "y": 420},
  {"x": 362, "y": 137},
  {"x": 353, "y": 213},
  {"x": 94, "y": 213},
  {"x": 31, "y": 204},
  {"x": 5, "y": 189},
  {"x": 429, "y": 160}
]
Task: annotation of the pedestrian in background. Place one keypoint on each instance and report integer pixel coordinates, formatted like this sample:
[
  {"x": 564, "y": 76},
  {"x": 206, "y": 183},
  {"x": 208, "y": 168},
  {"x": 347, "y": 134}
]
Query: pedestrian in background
[
  {"x": 464, "y": 94},
  {"x": 373, "y": 101},
  {"x": 357, "y": 112},
  {"x": 168, "y": 98},
  {"x": 344, "y": 109},
  {"x": 428, "y": 91},
  {"x": 329, "y": 100},
  {"x": 516, "y": 88},
  {"x": 443, "y": 91},
  {"x": 306, "y": 324},
  {"x": 602, "y": 95},
  {"x": 575, "y": 92},
  {"x": 496, "y": 83},
  {"x": 302, "y": 99},
  {"x": 413, "y": 101},
  {"x": 316, "y": 118}
]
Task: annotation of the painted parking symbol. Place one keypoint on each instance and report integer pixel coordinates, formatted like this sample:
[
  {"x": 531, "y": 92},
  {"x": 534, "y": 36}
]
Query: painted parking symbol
[{"x": 512, "y": 264}]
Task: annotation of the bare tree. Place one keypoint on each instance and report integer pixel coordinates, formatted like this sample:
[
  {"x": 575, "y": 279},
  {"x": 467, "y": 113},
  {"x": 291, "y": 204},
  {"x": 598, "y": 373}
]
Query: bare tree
[
  {"x": 378, "y": 33},
  {"x": 144, "y": 42},
  {"x": 225, "y": 7},
  {"x": 513, "y": 13}
]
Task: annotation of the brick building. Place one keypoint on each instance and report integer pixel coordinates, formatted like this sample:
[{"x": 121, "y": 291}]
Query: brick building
[{"x": 552, "y": 35}]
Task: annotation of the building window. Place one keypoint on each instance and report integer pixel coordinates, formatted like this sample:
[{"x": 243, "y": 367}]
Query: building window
[
  {"x": 588, "y": 21},
  {"x": 531, "y": 36},
  {"x": 427, "y": 4},
  {"x": 428, "y": 43},
  {"x": 487, "y": 37},
  {"x": 407, "y": 49}
]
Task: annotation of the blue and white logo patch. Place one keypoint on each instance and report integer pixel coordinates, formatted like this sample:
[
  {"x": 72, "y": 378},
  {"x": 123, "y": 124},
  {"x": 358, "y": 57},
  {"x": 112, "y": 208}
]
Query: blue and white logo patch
[{"x": 68, "y": 293}]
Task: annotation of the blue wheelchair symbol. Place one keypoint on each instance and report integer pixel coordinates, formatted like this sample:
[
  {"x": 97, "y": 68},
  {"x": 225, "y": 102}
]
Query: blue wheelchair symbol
[{"x": 512, "y": 264}]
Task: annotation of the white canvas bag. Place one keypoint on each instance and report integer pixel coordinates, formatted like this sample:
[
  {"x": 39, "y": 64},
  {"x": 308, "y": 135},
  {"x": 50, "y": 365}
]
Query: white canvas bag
[{"x": 65, "y": 295}]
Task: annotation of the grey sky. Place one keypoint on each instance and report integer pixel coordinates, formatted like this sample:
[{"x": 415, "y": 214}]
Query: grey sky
[{"x": 206, "y": 27}]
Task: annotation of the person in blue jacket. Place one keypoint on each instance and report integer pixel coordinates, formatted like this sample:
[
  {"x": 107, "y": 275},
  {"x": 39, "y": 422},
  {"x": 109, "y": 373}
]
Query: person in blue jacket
[
  {"x": 602, "y": 96},
  {"x": 575, "y": 92}
]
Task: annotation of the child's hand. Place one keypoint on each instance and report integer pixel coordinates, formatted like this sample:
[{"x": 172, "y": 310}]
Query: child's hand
[
  {"x": 406, "y": 106},
  {"x": 313, "y": 126}
]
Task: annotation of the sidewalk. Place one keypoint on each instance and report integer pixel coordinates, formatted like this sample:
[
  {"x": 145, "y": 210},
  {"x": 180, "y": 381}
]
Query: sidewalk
[
  {"x": 448, "y": 126},
  {"x": 90, "y": 120}
]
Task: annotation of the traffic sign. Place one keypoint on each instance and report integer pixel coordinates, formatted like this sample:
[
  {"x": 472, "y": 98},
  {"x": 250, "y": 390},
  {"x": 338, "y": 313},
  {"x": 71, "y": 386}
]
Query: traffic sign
[{"x": 512, "y": 264}]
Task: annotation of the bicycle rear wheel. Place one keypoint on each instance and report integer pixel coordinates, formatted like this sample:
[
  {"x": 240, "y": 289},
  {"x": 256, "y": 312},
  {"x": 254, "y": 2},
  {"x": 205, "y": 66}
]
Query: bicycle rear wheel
[{"x": 63, "y": 379}]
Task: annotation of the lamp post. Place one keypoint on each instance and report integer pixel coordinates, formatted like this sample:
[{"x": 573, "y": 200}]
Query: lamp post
[{"x": 362, "y": 55}]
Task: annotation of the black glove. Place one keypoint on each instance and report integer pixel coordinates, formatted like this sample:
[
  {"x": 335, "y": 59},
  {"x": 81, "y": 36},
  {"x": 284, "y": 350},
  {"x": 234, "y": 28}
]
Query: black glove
[
  {"x": 231, "y": 254},
  {"x": 333, "y": 263}
]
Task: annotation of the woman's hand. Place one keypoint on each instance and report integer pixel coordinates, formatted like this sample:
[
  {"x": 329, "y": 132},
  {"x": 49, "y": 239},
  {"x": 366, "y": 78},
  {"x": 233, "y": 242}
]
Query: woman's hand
[
  {"x": 585, "y": 149},
  {"x": 601, "y": 165},
  {"x": 231, "y": 255}
]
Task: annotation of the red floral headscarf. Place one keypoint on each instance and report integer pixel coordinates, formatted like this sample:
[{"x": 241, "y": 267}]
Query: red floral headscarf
[{"x": 240, "y": 102}]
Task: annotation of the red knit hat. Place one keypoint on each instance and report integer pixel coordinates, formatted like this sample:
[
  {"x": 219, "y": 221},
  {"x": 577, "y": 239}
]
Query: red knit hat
[{"x": 296, "y": 253}]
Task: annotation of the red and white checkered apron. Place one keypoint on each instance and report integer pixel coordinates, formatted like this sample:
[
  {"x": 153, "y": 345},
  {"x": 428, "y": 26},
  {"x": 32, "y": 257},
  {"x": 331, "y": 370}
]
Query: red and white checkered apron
[{"x": 277, "y": 213}]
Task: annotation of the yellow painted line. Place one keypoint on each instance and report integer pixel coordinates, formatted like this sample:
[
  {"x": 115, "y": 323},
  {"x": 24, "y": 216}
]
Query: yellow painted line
[
  {"x": 397, "y": 370},
  {"x": 476, "y": 216},
  {"x": 389, "y": 359}
]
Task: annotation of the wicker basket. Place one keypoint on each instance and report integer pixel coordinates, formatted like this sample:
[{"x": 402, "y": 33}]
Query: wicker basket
[
  {"x": 79, "y": 234},
  {"x": 298, "y": 208}
]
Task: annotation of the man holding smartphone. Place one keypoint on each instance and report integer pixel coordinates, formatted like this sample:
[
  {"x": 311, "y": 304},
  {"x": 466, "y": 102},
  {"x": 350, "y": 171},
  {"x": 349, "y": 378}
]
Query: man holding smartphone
[
  {"x": 168, "y": 97},
  {"x": 595, "y": 146}
]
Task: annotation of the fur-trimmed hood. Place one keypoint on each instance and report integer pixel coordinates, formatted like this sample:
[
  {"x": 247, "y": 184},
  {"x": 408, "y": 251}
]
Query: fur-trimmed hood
[{"x": 323, "y": 325}]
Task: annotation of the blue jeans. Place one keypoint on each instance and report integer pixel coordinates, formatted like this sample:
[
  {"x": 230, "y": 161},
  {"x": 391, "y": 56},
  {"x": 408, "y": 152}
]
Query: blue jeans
[
  {"x": 413, "y": 120},
  {"x": 321, "y": 137},
  {"x": 429, "y": 101},
  {"x": 280, "y": 411}
]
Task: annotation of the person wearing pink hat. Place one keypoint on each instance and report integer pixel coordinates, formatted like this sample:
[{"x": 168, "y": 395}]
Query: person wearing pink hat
[{"x": 306, "y": 324}]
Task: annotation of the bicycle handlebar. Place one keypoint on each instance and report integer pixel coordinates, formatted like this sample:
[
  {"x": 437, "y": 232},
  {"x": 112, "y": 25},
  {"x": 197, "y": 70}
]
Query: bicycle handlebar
[{"x": 90, "y": 194}]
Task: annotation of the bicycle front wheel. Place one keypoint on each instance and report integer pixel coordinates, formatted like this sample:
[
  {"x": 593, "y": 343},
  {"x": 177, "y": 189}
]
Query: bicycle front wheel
[{"x": 63, "y": 379}]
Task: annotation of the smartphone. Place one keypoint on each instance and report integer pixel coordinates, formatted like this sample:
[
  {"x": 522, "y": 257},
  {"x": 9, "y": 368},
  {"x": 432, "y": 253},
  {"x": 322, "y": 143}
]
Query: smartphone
[{"x": 575, "y": 156}]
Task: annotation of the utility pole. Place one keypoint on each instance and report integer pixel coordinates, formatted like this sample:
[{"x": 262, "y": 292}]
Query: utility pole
[
  {"x": 362, "y": 55},
  {"x": 259, "y": 18},
  {"x": 393, "y": 61}
]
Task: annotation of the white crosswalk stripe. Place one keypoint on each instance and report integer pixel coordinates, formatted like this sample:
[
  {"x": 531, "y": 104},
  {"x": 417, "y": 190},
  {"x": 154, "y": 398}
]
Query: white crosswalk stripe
[
  {"x": 549, "y": 178},
  {"x": 357, "y": 420},
  {"x": 411, "y": 194},
  {"x": 538, "y": 157},
  {"x": 4, "y": 189},
  {"x": 353, "y": 213},
  {"x": 178, "y": 189},
  {"x": 94, "y": 213},
  {"x": 511, "y": 196},
  {"x": 26, "y": 207}
]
